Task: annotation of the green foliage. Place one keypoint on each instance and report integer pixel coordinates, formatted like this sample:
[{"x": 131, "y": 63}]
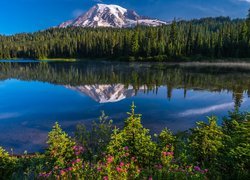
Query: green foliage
[
  {"x": 29, "y": 166},
  {"x": 232, "y": 77},
  {"x": 136, "y": 138},
  {"x": 239, "y": 152},
  {"x": 206, "y": 141},
  {"x": 207, "y": 37},
  {"x": 166, "y": 137},
  {"x": 7, "y": 164},
  {"x": 60, "y": 150},
  {"x": 237, "y": 145},
  {"x": 205, "y": 152},
  {"x": 96, "y": 140}
]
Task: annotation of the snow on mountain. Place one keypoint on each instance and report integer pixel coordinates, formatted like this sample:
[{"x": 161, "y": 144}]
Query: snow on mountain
[
  {"x": 102, "y": 15},
  {"x": 106, "y": 93}
]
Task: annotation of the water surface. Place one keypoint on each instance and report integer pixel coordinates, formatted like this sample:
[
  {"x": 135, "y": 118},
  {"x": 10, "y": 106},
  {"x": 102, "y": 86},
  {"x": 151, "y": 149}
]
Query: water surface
[{"x": 34, "y": 95}]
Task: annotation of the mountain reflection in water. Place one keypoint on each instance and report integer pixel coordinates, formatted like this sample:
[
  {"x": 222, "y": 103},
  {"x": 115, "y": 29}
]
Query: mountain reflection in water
[{"x": 34, "y": 95}]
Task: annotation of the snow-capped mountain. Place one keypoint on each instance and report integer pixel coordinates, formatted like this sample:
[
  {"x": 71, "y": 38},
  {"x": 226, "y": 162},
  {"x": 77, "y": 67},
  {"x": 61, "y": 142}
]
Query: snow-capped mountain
[
  {"x": 106, "y": 93},
  {"x": 102, "y": 15}
]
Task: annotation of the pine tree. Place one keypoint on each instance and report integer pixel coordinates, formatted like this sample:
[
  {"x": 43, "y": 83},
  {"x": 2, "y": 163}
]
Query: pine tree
[{"x": 135, "y": 137}]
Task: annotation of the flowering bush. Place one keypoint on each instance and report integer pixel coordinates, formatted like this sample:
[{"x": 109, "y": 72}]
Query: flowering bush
[
  {"x": 136, "y": 138},
  {"x": 95, "y": 141},
  {"x": 60, "y": 150},
  {"x": 130, "y": 153},
  {"x": 119, "y": 167}
]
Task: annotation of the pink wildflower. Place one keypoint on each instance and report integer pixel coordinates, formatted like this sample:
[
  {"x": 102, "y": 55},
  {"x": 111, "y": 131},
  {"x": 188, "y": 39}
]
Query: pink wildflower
[
  {"x": 121, "y": 164},
  {"x": 170, "y": 153},
  {"x": 110, "y": 159},
  {"x": 78, "y": 160},
  {"x": 118, "y": 169},
  {"x": 197, "y": 168},
  {"x": 62, "y": 172}
]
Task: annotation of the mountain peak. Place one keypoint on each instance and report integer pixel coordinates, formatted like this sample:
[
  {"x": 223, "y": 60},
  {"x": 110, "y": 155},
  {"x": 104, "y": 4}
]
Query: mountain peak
[{"x": 104, "y": 15}]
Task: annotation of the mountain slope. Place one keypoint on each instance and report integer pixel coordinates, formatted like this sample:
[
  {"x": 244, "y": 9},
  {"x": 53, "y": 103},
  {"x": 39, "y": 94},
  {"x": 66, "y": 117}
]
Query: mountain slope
[
  {"x": 106, "y": 93},
  {"x": 102, "y": 15}
]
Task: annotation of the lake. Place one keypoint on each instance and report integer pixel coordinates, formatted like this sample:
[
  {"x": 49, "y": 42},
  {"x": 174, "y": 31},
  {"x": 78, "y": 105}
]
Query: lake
[{"x": 34, "y": 95}]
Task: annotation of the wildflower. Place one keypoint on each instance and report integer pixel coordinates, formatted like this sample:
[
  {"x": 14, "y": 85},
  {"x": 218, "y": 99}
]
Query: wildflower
[
  {"x": 121, "y": 164},
  {"x": 110, "y": 159},
  {"x": 105, "y": 178},
  {"x": 126, "y": 148},
  {"x": 78, "y": 150},
  {"x": 99, "y": 169},
  {"x": 197, "y": 168},
  {"x": 167, "y": 153},
  {"x": 205, "y": 170},
  {"x": 150, "y": 178},
  {"x": 118, "y": 169},
  {"x": 78, "y": 160},
  {"x": 62, "y": 172},
  {"x": 170, "y": 153}
]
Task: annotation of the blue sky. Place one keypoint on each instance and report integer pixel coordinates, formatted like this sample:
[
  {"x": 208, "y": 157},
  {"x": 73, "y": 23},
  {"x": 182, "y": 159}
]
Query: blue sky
[{"x": 18, "y": 16}]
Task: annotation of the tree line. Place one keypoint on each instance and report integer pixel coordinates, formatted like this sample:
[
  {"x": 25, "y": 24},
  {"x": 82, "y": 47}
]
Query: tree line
[
  {"x": 150, "y": 76},
  {"x": 218, "y": 37}
]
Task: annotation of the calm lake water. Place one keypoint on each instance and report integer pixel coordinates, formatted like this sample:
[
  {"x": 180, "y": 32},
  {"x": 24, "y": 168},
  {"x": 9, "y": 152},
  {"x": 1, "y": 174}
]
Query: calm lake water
[{"x": 35, "y": 95}]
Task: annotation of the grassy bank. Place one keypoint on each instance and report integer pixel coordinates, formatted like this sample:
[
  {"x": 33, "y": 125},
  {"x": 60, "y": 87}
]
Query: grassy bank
[{"x": 58, "y": 59}]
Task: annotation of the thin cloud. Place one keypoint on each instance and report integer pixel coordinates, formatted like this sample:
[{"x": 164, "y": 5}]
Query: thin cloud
[
  {"x": 8, "y": 115},
  {"x": 98, "y": 1},
  {"x": 205, "y": 110},
  {"x": 245, "y": 1}
]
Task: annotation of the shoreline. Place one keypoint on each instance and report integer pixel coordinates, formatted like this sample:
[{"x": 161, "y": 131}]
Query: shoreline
[
  {"x": 242, "y": 63},
  {"x": 129, "y": 59}
]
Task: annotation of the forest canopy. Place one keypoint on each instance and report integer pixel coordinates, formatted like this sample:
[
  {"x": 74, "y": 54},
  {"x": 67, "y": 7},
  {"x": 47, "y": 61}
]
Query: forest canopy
[{"x": 216, "y": 38}]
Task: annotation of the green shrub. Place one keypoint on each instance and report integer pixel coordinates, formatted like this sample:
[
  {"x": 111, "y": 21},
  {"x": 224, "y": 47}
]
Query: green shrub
[
  {"x": 60, "y": 147},
  {"x": 96, "y": 139},
  {"x": 205, "y": 152},
  {"x": 7, "y": 164},
  {"x": 206, "y": 141},
  {"x": 136, "y": 138},
  {"x": 236, "y": 157}
]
